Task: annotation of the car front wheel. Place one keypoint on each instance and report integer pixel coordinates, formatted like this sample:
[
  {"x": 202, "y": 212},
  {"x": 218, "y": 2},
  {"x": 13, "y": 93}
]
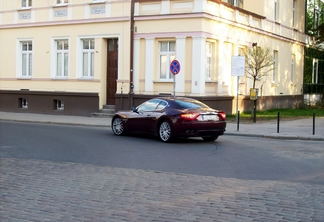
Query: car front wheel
[
  {"x": 165, "y": 132},
  {"x": 117, "y": 126}
]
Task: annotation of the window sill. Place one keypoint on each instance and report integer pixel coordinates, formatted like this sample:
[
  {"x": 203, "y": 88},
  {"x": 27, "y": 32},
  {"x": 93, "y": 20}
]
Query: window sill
[
  {"x": 24, "y": 9},
  {"x": 211, "y": 81},
  {"x": 60, "y": 5},
  {"x": 24, "y": 78},
  {"x": 60, "y": 78},
  {"x": 85, "y": 78},
  {"x": 97, "y": 2},
  {"x": 163, "y": 81}
]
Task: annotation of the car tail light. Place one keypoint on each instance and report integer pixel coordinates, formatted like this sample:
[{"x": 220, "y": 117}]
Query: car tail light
[
  {"x": 222, "y": 115},
  {"x": 189, "y": 116}
]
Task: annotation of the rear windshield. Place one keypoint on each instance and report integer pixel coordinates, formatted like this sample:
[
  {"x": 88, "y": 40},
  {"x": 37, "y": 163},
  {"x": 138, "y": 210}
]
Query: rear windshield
[{"x": 191, "y": 104}]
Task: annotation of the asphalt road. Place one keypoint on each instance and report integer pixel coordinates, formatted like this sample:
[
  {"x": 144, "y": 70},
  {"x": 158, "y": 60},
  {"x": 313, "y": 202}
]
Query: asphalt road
[
  {"x": 68, "y": 173},
  {"x": 229, "y": 156}
]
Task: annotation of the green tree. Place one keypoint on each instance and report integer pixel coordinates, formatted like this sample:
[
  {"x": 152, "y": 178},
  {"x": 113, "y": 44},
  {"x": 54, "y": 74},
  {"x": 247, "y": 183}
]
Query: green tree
[
  {"x": 314, "y": 27},
  {"x": 259, "y": 63},
  {"x": 315, "y": 22}
]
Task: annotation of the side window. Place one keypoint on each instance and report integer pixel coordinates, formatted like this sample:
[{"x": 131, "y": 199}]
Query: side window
[
  {"x": 88, "y": 49},
  {"x": 237, "y": 3},
  {"x": 315, "y": 71},
  {"x": 161, "y": 105},
  {"x": 294, "y": 13},
  {"x": 26, "y": 57},
  {"x": 167, "y": 54},
  {"x": 62, "y": 58},
  {"x": 26, "y": 3},
  {"x": 276, "y": 10},
  {"x": 209, "y": 61},
  {"x": 62, "y": 2},
  {"x": 275, "y": 66},
  {"x": 148, "y": 106}
]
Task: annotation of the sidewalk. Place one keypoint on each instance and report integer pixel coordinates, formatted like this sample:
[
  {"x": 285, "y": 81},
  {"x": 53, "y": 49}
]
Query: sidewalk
[{"x": 301, "y": 129}]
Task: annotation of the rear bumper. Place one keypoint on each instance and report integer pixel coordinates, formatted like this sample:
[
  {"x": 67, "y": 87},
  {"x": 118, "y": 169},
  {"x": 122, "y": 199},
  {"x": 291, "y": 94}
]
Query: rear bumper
[{"x": 199, "y": 129}]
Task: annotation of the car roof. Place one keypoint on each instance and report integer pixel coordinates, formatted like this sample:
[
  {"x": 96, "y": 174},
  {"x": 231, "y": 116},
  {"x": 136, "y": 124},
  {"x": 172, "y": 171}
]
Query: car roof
[{"x": 172, "y": 98}]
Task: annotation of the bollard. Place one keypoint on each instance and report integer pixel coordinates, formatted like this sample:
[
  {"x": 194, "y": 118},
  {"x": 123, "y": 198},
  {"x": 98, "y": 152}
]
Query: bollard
[
  {"x": 278, "y": 122},
  {"x": 313, "y": 123},
  {"x": 238, "y": 120}
]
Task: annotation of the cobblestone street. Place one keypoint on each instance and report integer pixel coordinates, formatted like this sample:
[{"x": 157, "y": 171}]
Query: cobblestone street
[{"x": 34, "y": 190}]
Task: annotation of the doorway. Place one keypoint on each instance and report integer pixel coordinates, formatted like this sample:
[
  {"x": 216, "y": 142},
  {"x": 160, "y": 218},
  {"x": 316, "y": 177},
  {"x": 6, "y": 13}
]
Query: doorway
[{"x": 112, "y": 70}]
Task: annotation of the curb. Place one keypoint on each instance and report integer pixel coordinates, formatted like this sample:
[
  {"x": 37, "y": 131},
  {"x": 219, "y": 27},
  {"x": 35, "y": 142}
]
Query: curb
[
  {"x": 283, "y": 137},
  {"x": 57, "y": 123}
]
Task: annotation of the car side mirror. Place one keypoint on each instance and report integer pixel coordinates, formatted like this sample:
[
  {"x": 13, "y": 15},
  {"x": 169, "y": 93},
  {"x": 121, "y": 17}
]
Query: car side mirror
[{"x": 134, "y": 109}]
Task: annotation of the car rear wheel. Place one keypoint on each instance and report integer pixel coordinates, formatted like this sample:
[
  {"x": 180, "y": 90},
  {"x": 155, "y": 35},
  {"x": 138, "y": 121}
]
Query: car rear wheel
[
  {"x": 210, "y": 138},
  {"x": 165, "y": 132},
  {"x": 117, "y": 126}
]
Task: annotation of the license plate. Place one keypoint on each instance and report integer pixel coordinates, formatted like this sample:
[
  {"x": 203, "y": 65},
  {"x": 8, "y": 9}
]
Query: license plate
[{"x": 210, "y": 117}]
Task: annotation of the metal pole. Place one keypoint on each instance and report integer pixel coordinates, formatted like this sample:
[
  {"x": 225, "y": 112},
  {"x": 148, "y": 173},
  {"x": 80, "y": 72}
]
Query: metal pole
[
  {"x": 121, "y": 97},
  {"x": 313, "y": 123},
  {"x": 278, "y": 122},
  {"x": 238, "y": 120},
  {"x": 254, "y": 111},
  {"x": 237, "y": 93},
  {"x": 131, "y": 56},
  {"x": 174, "y": 86}
]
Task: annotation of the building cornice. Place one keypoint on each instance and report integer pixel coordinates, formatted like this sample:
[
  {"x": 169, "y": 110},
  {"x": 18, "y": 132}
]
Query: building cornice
[{"x": 65, "y": 22}]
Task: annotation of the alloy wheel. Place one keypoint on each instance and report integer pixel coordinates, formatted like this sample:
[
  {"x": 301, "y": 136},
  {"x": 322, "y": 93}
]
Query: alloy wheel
[
  {"x": 165, "y": 132},
  {"x": 117, "y": 126}
]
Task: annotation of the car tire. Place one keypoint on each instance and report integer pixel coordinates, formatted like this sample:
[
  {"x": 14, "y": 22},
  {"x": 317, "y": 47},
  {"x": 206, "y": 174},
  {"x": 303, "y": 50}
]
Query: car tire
[
  {"x": 210, "y": 138},
  {"x": 165, "y": 132},
  {"x": 117, "y": 126}
]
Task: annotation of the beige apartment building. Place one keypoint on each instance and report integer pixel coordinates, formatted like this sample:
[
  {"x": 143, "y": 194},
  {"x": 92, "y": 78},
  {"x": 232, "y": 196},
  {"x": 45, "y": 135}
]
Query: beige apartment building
[{"x": 74, "y": 57}]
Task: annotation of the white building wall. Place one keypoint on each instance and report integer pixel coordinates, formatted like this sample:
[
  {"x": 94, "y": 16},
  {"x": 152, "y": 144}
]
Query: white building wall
[
  {"x": 180, "y": 56},
  {"x": 149, "y": 66},
  {"x": 198, "y": 66}
]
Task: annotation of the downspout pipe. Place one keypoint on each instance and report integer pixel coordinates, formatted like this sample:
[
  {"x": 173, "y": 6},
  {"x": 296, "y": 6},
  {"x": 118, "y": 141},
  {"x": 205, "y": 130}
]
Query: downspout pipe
[{"x": 131, "y": 65}]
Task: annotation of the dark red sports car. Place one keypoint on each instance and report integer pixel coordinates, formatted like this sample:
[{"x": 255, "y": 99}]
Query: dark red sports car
[{"x": 171, "y": 117}]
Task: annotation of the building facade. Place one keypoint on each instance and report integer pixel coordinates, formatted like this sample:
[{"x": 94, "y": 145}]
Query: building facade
[{"x": 72, "y": 57}]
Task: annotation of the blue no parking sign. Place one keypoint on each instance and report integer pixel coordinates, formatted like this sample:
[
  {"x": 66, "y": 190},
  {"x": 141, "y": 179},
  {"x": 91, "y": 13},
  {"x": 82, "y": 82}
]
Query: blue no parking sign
[{"x": 175, "y": 67}]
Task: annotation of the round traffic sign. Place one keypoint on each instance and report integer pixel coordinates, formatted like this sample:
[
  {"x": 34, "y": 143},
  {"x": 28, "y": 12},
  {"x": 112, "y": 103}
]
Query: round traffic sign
[{"x": 175, "y": 67}]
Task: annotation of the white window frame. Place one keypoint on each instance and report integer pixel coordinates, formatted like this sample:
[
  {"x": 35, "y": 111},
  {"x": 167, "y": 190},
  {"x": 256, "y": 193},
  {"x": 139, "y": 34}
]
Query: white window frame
[
  {"x": 294, "y": 11},
  {"x": 64, "y": 68},
  {"x": 90, "y": 52},
  {"x": 27, "y": 71},
  {"x": 209, "y": 61},
  {"x": 237, "y": 3},
  {"x": 98, "y": 1},
  {"x": 164, "y": 66},
  {"x": 276, "y": 10},
  {"x": 293, "y": 68},
  {"x": 315, "y": 71},
  {"x": 26, "y": 3},
  {"x": 275, "y": 66},
  {"x": 62, "y": 2}
]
